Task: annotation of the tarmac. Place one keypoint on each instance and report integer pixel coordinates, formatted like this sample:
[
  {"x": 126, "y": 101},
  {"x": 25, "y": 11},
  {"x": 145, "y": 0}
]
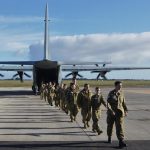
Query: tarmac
[{"x": 27, "y": 122}]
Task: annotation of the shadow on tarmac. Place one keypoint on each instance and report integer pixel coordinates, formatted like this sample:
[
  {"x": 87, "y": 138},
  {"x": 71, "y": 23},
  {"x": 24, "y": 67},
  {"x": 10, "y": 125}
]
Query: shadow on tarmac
[
  {"x": 16, "y": 93},
  {"x": 58, "y": 145},
  {"x": 80, "y": 145},
  {"x": 67, "y": 145}
]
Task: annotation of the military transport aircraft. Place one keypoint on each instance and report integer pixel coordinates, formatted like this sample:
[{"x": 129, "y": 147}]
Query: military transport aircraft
[{"x": 46, "y": 70}]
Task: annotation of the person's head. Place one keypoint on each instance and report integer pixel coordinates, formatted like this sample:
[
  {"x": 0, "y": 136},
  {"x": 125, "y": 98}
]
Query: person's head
[
  {"x": 53, "y": 83},
  {"x": 86, "y": 86},
  {"x": 61, "y": 85},
  {"x": 57, "y": 86},
  {"x": 65, "y": 86},
  {"x": 97, "y": 90},
  {"x": 118, "y": 85},
  {"x": 72, "y": 86}
]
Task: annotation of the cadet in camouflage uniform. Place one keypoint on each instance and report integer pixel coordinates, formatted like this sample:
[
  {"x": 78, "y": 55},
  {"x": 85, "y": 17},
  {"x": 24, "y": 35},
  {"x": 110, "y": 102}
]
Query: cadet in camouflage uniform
[
  {"x": 84, "y": 102},
  {"x": 96, "y": 100},
  {"x": 117, "y": 109},
  {"x": 71, "y": 97},
  {"x": 42, "y": 91},
  {"x": 45, "y": 92},
  {"x": 51, "y": 93},
  {"x": 63, "y": 96},
  {"x": 57, "y": 96}
]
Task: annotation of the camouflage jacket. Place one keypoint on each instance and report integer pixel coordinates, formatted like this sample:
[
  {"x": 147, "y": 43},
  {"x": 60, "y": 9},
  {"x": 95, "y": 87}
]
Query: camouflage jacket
[
  {"x": 71, "y": 97},
  {"x": 96, "y": 101},
  {"x": 116, "y": 103},
  {"x": 84, "y": 99}
]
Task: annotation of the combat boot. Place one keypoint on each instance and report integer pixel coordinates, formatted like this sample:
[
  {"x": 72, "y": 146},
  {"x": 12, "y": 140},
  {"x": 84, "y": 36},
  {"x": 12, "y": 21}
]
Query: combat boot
[
  {"x": 109, "y": 139},
  {"x": 88, "y": 125},
  {"x": 71, "y": 118},
  {"x": 122, "y": 144},
  {"x": 66, "y": 111},
  {"x": 94, "y": 130},
  {"x": 85, "y": 125},
  {"x": 99, "y": 132},
  {"x": 51, "y": 103}
]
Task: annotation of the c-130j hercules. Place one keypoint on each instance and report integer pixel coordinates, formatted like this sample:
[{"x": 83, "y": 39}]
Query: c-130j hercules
[{"x": 50, "y": 71}]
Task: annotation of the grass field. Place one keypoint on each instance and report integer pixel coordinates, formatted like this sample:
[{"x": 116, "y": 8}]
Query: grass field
[{"x": 126, "y": 83}]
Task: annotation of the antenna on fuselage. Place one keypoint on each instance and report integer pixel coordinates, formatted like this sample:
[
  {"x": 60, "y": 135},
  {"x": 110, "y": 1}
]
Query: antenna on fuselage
[{"x": 46, "y": 35}]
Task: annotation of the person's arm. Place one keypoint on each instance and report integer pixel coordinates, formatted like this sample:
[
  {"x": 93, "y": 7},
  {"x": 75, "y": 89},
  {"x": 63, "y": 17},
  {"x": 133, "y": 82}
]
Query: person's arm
[
  {"x": 108, "y": 104},
  {"x": 79, "y": 98},
  {"x": 103, "y": 101},
  {"x": 125, "y": 106}
]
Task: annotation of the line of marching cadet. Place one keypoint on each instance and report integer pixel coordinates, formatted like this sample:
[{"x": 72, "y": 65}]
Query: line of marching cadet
[{"x": 70, "y": 100}]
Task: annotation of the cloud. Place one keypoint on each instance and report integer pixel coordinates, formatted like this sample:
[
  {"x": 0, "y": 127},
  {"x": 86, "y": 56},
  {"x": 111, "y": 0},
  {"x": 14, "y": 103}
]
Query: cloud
[
  {"x": 36, "y": 51},
  {"x": 20, "y": 19},
  {"x": 14, "y": 45},
  {"x": 120, "y": 48}
]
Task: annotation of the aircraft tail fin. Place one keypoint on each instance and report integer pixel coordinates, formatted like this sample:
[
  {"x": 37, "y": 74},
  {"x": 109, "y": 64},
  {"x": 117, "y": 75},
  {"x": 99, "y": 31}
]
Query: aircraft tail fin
[{"x": 46, "y": 35}]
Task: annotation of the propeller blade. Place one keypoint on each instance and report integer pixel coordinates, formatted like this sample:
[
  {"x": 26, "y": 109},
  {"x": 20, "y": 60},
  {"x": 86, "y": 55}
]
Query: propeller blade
[
  {"x": 15, "y": 75},
  {"x": 104, "y": 65},
  {"x": 1, "y": 75},
  {"x": 74, "y": 75},
  {"x": 80, "y": 75},
  {"x": 98, "y": 76},
  {"x": 27, "y": 75},
  {"x": 104, "y": 77},
  {"x": 68, "y": 75}
]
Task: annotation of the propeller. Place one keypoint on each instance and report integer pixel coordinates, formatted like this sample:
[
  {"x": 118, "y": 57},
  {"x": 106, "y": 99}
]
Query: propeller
[
  {"x": 20, "y": 74},
  {"x": 74, "y": 75},
  {"x": 101, "y": 74}
]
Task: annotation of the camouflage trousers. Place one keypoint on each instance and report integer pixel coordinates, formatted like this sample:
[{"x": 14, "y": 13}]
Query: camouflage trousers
[
  {"x": 73, "y": 108},
  {"x": 66, "y": 107},
  {"x": 50, "y": 100},
  {"x": 62, "y": 104},
  {"x": 119, "y": 122},
  {"x": 86, "y": 115},
  {"x": 41, "y": 95},
  {"x": 57, "y": 101},
  {"x": 45, "y": 96},
  {"x": 95, "y": 117}
]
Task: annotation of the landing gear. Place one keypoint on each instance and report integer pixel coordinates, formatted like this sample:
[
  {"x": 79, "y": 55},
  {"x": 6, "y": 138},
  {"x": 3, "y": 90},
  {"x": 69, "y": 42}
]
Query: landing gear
[{"x": 35, "y": 89}]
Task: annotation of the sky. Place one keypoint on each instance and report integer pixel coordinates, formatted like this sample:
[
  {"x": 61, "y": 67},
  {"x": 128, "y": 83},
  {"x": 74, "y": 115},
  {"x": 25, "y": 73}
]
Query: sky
[{"x": 80, "y": 30}]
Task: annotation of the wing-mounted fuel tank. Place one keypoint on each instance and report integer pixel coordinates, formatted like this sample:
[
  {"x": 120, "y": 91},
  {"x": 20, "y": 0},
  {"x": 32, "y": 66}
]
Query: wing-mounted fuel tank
[{"x": 45, "y": 71}]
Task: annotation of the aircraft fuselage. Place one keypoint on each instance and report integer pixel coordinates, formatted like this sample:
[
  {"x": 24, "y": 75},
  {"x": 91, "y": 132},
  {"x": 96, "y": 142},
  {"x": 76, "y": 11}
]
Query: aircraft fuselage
[{"x": 45, "y": 71}]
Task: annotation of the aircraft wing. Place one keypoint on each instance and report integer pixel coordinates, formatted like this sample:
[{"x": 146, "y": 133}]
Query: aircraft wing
[
  {"x": 16, "y": 68},
  {"x": 17, "y": 62},
  {"x": 84, "y": 63},
  {"x": 108, "y": 69},
  {"x": 98, "y": 68},
  {"x": 101, "y": 70}
]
